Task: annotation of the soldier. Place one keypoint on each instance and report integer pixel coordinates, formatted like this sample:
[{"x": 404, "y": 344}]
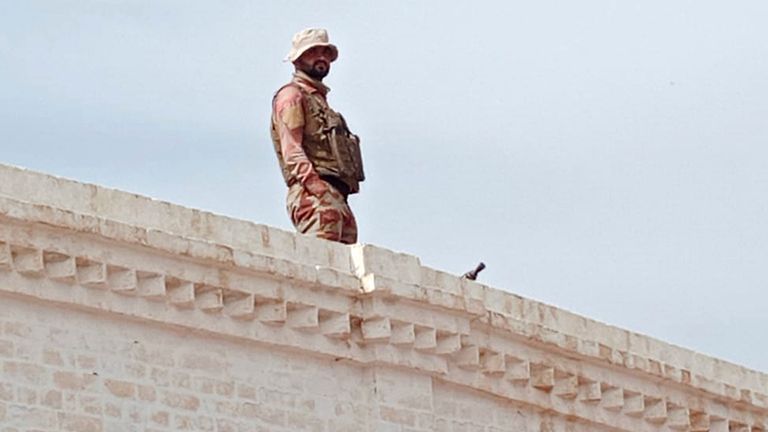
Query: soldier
[{"x": 318, "y": 155}]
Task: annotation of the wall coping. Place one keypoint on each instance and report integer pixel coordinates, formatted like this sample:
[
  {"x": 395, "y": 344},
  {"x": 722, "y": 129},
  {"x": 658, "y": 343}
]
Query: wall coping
[{"x": 384, "y": 306}]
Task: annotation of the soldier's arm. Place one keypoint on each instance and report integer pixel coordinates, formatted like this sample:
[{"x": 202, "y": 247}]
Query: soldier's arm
[{"x": 290, "y": 124}]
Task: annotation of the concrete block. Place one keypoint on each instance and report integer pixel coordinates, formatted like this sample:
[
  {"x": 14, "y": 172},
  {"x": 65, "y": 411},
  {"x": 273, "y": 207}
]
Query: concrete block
[
  {"x": 180, "y": 293},
  {"x": 368, "y": 259},
  {"x": 678, "y": 418},
  {"x": 468, "y": 358},
  {"x": 91, "y": 274},
  {"x": 303, "y": 317},
  {"x": 335, "y": 325},
  {"x": 718, "y": 424},
  {"x": 542, "y": 377},
  {"x": 28, "y": 261},
  {"x": 122, "y": 280},
  {"x": 518, "y": 370},
  {"x": 612, "y": 398},
  {"x": 60, "y": 267},
  {"x": 655, "y": 410},
  {"x": 699, "y": 421},
  {"x": 448, "y": 343},
  {"x": 376, "y": 329},
  {"x": 634, "y": 404},
  {"x": 566, "y": 386},
  {"x": 590, "y": 391},
  {"x": 403, "y": 333},
  {"x": 493, "y": 363},
  {"x": 150, "y": 286},
  {"x": 239, "y": 305},
  {"x": 270, "y": 311},
  {"x": 209, "y": 299}
]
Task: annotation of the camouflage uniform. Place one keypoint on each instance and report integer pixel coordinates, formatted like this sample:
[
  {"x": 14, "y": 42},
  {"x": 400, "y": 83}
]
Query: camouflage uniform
[
  {"x": 328, "y": 216},
  {"x": 314, "y": 146}
]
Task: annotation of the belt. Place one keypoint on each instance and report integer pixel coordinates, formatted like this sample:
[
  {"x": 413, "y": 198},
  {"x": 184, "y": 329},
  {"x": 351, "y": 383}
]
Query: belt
[{"x": 337, "y": 184}]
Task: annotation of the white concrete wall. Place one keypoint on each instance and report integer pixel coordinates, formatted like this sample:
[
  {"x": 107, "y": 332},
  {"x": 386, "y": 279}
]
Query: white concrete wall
[
  {"x": 120, "y": 313},
  {"x": 62, "y": 373},
  {"x": 84, "y": 371}
]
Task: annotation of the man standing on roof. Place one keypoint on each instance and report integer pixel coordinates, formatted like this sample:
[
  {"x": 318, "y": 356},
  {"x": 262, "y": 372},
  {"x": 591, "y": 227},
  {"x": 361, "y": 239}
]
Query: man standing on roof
[{"x": 318, "y": 155}]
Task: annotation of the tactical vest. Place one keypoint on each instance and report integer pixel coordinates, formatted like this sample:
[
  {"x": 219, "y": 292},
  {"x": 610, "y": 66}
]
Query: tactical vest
[{"x": 330, "y": 146}]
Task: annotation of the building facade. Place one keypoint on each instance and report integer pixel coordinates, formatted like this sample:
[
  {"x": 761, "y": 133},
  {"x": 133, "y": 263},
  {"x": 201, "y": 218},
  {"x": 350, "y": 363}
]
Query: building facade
[{"x": 122, "y": 313}]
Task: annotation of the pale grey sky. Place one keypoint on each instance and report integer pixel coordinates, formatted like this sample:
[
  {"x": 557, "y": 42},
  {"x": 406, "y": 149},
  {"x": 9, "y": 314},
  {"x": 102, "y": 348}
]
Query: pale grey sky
[{"x": 605, "y": 157}]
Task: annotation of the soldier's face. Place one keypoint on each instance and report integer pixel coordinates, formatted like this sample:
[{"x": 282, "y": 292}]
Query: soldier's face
[{"x": 316, "y": 62}]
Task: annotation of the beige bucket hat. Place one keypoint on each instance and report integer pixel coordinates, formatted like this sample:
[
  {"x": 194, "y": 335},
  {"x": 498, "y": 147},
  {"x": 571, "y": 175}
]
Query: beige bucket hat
[{"x": 309, "y": 38}]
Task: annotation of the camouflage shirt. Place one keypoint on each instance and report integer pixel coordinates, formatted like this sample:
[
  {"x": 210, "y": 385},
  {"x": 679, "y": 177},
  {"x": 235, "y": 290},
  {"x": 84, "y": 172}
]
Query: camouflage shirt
[{"x": 288, "y": 117}]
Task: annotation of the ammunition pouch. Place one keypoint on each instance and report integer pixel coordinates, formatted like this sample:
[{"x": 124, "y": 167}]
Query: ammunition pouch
[{"x": 345, "y": 148}]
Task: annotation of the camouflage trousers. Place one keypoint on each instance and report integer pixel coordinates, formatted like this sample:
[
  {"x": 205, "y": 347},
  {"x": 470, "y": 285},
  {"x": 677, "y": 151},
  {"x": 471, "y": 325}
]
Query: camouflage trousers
[{"x": 328, "y": 217}]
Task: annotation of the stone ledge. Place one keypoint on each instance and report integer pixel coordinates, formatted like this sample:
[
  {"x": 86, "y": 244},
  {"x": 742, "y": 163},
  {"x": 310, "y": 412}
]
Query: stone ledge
[{"x": 360, "y": 303}]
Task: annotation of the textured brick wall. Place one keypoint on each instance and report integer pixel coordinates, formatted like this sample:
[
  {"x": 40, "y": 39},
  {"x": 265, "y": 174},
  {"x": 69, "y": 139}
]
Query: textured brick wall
[
  {"x": 70, "y": 370},
  {"x": 76, "y": 371},
  {"x": 121, "y": 313}
]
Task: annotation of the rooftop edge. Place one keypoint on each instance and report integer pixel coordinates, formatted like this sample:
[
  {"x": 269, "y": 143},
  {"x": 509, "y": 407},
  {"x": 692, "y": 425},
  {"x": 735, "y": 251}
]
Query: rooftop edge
[{"x": 118, "y": 215}]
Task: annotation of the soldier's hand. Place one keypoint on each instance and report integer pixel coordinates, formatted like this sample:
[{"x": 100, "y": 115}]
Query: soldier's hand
[{"x": 317, "y": 187}]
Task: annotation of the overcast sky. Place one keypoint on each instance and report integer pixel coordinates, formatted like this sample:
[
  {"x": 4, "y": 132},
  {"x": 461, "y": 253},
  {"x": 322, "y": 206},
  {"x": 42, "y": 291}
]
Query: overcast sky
[{"x": 605, "y": 157}]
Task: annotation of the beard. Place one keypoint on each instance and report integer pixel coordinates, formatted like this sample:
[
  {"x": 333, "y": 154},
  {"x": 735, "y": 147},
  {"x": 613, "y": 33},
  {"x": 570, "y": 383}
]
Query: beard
[{"x": 317, "y": 70}]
